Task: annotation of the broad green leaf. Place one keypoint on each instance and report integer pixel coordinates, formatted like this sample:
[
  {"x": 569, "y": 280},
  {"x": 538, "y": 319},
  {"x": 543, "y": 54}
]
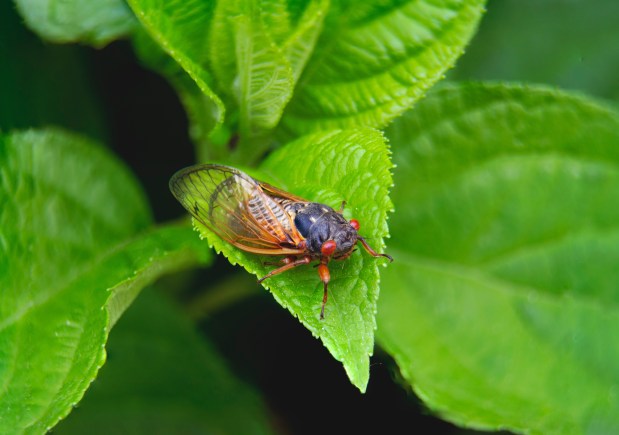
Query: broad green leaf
[
  {"x": 269, "y": 57},
  {"x": 206, "y": 127},
  {"x": 34, "y": 96},
  {"x": 265, "y": 77},
  {"x": 331, "y": 167},
  {"x": 181, "y": 29},
  {"x": 95, "y": 22},
  {"x": 244, "y": 56},
  {"x": 163, "y": 377},
  {"x": 299, "y": 44},
  {"x": 374, "y": 59},
  {"x": 566, "y": 43},
  {"x": 71, "y": 261},
  {"x": 501, "y": 308}
]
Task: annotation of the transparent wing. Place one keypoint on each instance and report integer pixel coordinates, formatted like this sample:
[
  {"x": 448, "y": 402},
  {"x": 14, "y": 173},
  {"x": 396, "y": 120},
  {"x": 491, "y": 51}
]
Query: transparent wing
[{"x": 233, "y": 205}]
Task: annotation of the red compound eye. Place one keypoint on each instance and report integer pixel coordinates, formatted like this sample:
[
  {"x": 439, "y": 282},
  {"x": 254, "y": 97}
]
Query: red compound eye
[
  {"x": 328, "y": 248},
  {"x": 355, "y": 224}
]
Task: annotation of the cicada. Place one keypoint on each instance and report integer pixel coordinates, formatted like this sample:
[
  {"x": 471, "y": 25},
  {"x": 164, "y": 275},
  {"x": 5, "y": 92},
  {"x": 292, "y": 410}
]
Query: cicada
[{"x": 262, "y": 219}]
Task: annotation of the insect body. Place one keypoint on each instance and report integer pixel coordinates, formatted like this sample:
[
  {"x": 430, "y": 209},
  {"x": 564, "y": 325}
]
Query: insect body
[{"x": 259, "y": 218}]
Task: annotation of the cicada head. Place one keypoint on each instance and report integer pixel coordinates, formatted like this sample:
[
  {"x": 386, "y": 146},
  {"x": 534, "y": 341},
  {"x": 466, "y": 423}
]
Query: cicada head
[{"x": 320, "y": 224}]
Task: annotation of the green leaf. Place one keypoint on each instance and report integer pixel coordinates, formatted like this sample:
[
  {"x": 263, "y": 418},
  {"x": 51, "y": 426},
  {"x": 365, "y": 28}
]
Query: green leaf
[
  {"x": 375, "y": 59},
  {"x": 206, "y": 126},
  {"x": 265, "y": 78},
  {"x": 94, "y": 22},
  {"x": 181, "y": 29},
  {"x": 331, "y": 167},
  {"x": 299, "y": 43},
  {"x": 163, "y": 377},
  {"x": 244, "y": 57},
  {"x": 565, "y": 43},
  {"x": 270, "y": 56},
  {"x": 70, "y": 264},
  {"x": 501, "y": 305}
]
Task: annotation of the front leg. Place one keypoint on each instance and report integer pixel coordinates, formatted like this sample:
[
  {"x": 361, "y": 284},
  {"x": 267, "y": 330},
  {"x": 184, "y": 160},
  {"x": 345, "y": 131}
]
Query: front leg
[
  {"x": 286, "y": 260},
  {"x": 289, "y": 263},
  {"x": 325, "y": 277}
]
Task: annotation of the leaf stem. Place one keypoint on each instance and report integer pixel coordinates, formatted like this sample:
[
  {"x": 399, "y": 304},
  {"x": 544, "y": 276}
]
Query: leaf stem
[{"x": 222, "y": 295}]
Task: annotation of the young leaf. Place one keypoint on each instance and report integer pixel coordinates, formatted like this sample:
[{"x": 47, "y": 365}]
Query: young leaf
[
  {"x": 265, "y": 78},
  {"x": 246, "y": 58},
  {"x": 70, "y": 263},
  {"x": 181, "y": 29},
  {"x": 501, "y": 311},
  {"x": 299, "y": 44},
  {"x": 162, "y": 377},
  {"x": 206, "y": 126},
  {"x": 374, "y": 59},
  {"x": 331, "y": 167},
  {"x": 94, "y": 22}
]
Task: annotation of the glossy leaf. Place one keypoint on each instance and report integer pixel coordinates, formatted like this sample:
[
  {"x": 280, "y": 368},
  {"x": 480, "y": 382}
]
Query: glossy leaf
[
  {"x": 243, "y": 56},
  {"x": 163, "y": 377},
  {"x": 341, "y": 64},
  {"x": 71, "y": 261},
  {"x": 375, "y": 59},
  {"x": 181, "y": 29},
  {"x": 501, "y": 311},
  {"x": 330, "y": 168}
]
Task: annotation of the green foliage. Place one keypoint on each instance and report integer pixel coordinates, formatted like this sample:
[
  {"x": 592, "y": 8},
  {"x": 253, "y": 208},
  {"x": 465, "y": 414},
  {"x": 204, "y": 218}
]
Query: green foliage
[
  {"x": 365, "y": 66},
  {"x": 499, "y": 308},
  {"x": 506, "y": 240},
  {"x": 154, "y": 352},
  {"x": 375, "y": 59},
  {"x": 74, "y": 252},
  {"x": 351, "y": 166}
]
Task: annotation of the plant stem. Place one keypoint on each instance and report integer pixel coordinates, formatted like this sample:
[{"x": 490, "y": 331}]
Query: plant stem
[{"x": 222, "y": 295}]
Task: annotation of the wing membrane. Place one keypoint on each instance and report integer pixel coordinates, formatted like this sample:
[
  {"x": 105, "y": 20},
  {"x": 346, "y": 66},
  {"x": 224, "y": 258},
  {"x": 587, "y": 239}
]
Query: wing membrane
[{"x": 233, "y": 205}]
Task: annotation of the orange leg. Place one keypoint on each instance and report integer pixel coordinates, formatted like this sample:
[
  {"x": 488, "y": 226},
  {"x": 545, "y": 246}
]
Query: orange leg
[
  {"x": 289, "y": 264},
  {"x": 325, "y": 277},
  {"x": 286, "y": 260},
  {"x": 345, "y": 256},
  {"x": 372, "y": 252}
]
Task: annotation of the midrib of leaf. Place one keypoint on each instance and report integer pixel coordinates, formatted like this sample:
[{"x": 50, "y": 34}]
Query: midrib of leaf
[
  {"x": 431, "y": 187},
  {"x": 552, "y": 240},
  {"x": 117, "y": 297},
  {"x": 300, "y": 44},
  {"x": 428, "y": 184},
  {"x": 395, "y": 62},
  {"x": 464, "y": 367},
  {"x": 91, "y": 267},
  {"x": 534, "y": 99},
  {"x": 253, "y": 63},
  {"x": 113, "y": 228},
  {"x": 480, "y": 272},
  {"x": 512, "y": 291},
  {"x": 411, "y": 66}
]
